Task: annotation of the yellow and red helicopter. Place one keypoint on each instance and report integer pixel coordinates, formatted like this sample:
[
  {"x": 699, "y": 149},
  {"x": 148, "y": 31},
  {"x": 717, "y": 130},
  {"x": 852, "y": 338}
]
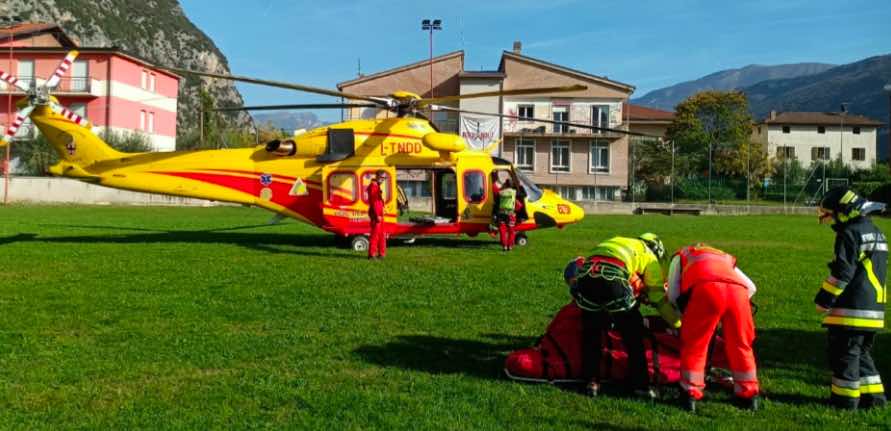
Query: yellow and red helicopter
[{"x": 318, "y": 176}]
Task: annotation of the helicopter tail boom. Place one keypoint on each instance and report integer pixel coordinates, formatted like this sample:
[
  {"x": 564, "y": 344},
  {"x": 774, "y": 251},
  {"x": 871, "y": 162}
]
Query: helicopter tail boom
[{"x": 76, "y": 145}]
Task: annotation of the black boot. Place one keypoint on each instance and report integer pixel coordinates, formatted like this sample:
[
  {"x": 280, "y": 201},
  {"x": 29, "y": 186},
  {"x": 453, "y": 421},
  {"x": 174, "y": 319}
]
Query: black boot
[
  {"x": 688, "y": 403},
  {"x": 752, "y": 404}
]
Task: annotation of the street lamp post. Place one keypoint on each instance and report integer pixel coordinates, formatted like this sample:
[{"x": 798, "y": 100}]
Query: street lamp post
[
  {"x": 841, "y": 133},
  {"x": 431, "y": 25},
  {"x": 888, "y": 138}
]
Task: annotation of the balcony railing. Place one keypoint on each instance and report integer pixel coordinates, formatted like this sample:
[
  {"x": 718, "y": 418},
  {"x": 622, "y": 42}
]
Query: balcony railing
[
  {"x": 75, "y": 84},
  {"x": 69, "y": 84},
  {"x": 539, "y": 127}
]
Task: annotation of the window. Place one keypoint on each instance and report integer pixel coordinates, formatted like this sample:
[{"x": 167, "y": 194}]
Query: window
[
  {"x": 474, "y": 186},
  {"x": 856, "y": 130},
  {"x": 820, "y": 153},
  {"x": 786, "y": 129},
  {"x": 26, "y": 72},
  {"x": 566, "y": 192},
  {"x": 526, "y": 154},
  {"x": 141, "y": 120},
  {"x": 151, "y": 123},
  {"x": 448, "y": 186},
  {"x": 821, "y": 129},
  {"x": 526, "y": 112},
  {"x": 561, "y": 113},
  {"x": 341, "y": 188},
  {"x": 79, "y": 76},
  {"x": 560, "y": 156},
  {"x": 143, "y": 83},
  {"x": 786, "y": 152},
  {"x": 367, "y": 176},
  {"x": 589, "y": 193},
  {"x": 415, "y": 188},
  {"x": 599, "y": 157},
  {"x": 600, "y": 117},
  {"x": 151, "y": 82},
  {"x": 858, "y": 154}
]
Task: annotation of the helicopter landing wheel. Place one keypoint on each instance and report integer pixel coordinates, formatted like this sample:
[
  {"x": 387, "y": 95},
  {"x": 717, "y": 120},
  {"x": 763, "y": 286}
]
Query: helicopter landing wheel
[
  {"x": 359, "y": 243},
  {"x": 521, "y": 240}
]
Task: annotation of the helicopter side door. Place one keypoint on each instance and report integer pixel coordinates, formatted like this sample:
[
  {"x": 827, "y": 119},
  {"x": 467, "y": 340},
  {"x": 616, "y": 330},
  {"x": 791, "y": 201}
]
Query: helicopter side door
[
  {"x": 475, "y": 200},
  {"x": 345, "y": 197}
]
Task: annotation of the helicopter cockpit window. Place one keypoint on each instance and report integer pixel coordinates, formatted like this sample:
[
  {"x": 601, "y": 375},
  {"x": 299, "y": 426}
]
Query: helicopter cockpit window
[
  {"x": 342, "y": 188},
  {"x": 367, "y": 176},
  {"x": 474, "y": 186},
  {"x": 533, "y": 193}
]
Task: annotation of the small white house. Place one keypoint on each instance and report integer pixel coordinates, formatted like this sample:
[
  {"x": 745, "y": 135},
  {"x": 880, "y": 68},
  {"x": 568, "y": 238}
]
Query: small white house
[{"x": 820, "y": 136}]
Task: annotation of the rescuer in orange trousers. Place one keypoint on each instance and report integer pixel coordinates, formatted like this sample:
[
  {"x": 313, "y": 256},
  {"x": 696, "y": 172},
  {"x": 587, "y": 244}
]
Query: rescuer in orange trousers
[
  {"x": 708, "y": 288},
  {"x": 377, "y": 247}
]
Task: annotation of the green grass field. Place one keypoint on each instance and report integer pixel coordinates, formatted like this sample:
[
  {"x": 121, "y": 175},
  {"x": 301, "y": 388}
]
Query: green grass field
[{"x": 192, "y": 318}]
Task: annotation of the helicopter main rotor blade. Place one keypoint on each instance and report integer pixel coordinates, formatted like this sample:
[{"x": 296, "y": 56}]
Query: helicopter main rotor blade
[
  {"x": 61, "y": 69},
  {"x": 14, "y": 81},
  {"x": 279, "y": 84},
  {"x": 20, "y": 118},
  {"x": 517, "y": 92},
  {"x": 298, "y": 106},
  {"x": 537, "y": 120}
]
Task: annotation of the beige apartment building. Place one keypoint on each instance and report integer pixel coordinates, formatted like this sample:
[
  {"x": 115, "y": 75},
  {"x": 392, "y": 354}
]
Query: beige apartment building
[{"x": 579, "y": 163}]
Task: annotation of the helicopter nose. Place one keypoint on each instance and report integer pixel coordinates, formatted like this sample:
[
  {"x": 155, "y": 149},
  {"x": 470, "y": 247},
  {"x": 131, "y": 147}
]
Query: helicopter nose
[{"x": 576, "y": 213}]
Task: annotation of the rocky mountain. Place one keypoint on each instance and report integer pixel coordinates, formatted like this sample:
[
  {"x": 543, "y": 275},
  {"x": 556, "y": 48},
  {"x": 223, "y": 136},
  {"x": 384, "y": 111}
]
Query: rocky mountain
[
  {"x": 289, "y": 121},
  {"x": 668, "y": 97},
  {"x": 156, "y": 30}
]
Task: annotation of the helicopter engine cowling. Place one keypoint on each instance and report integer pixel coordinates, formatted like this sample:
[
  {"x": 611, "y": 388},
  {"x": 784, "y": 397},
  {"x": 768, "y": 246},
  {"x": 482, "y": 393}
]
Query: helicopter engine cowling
[{"x": 282, "y": 148}]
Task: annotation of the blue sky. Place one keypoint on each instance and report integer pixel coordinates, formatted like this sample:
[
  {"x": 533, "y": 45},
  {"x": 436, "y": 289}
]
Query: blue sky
[{"x": 649, "y": 44}]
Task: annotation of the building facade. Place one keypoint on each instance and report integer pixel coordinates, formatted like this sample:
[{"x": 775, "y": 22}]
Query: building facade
[
  {"x": 116, "y": 91},
  {"x": 819, "y": 137},
  {"x": 579, "y": 163}
]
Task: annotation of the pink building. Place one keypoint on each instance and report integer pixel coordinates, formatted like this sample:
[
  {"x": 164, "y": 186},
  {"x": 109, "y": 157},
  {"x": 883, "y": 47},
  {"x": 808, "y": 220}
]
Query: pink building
[{"x": 113, "y": 89}]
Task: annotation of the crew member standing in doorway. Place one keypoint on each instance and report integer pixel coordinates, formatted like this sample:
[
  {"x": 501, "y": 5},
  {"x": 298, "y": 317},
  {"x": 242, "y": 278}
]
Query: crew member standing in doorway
[{"x": 378, "y": 241}]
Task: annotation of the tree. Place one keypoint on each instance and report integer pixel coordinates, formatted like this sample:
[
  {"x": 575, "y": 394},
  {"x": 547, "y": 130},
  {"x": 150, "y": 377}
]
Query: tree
[{"x": 716, "y": 125}]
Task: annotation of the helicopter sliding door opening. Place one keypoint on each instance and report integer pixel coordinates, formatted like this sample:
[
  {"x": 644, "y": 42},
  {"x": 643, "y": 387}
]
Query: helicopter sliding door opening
[{"x": 445, "y": 194}]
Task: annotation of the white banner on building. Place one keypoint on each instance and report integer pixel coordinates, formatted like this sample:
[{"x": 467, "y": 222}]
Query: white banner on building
[{"x": 479, "y": 132}]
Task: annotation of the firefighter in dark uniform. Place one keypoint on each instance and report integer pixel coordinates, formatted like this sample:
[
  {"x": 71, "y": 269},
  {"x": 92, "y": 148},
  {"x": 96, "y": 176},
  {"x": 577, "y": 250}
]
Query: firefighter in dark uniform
[{"x": 853, "y": 298}]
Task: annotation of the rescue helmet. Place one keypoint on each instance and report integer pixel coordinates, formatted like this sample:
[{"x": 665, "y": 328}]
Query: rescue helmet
[
  {"x": 840, "y": 204},
  {"x": 653, "y": 243}
]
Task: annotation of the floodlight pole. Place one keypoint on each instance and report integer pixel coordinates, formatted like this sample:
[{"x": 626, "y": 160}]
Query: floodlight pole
[{"x": 430, "y": 25}]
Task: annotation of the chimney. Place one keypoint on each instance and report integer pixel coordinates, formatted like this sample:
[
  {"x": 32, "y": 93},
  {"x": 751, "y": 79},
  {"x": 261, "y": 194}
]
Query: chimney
[
  {"x": 518, "y": 46},
  {"x": 773, "y": 115}
]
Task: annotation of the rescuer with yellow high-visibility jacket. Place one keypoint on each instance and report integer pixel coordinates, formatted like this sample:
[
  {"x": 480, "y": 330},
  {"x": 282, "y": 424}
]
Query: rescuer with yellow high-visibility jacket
[
  {"x": 608, "y": 286},
  {"x": 708, "y": 287},
  {"x": 853, "y": 298}
]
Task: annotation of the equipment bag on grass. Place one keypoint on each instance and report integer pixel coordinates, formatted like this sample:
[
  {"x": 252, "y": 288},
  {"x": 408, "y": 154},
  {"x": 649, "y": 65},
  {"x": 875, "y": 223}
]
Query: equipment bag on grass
[{"x": 557, "y": 357}]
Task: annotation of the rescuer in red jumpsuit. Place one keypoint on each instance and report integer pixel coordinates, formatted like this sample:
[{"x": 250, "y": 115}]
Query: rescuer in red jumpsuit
[
  {"x": 378, "y": 238},
  {"x": 706, "y": 285}
]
